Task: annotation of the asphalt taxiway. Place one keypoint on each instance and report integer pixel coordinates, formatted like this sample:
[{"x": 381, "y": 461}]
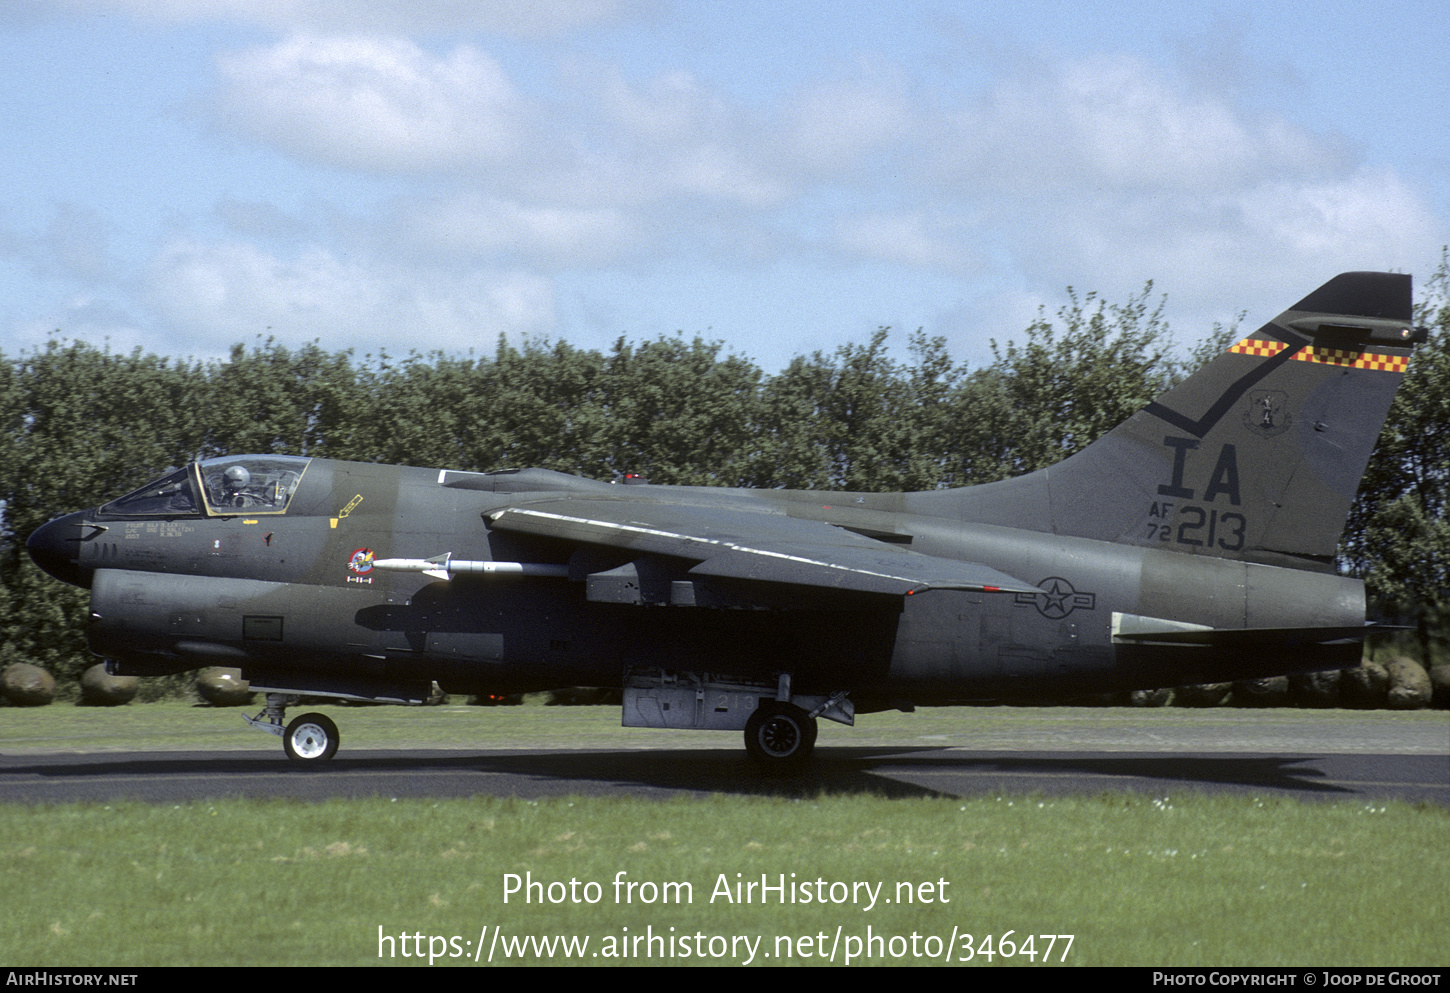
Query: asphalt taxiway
[{"x": 178, "y": 777}]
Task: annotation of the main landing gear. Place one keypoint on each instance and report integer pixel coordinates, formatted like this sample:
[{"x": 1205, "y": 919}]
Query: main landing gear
[
  {"x": 310, "y": 739},
  {"x": 779, "y": 724},
  {"x": 780, "y": 736}
]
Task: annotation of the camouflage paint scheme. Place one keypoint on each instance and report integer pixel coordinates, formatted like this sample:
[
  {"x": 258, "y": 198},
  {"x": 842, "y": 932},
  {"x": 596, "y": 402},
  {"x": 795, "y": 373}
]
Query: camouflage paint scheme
[{"x": 1193, "y": 543}]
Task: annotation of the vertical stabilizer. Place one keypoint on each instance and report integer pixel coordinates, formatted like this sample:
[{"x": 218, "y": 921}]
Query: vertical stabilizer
[{"x": 1256, "y": 456}]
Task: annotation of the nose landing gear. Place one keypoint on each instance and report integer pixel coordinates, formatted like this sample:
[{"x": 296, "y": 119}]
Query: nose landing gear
[{"x": 310, "y": 739}]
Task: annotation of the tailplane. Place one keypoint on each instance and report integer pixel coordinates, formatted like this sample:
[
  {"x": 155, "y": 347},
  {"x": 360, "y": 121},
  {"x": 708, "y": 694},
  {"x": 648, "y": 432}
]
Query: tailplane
[{"x": 1256, "y": 456}]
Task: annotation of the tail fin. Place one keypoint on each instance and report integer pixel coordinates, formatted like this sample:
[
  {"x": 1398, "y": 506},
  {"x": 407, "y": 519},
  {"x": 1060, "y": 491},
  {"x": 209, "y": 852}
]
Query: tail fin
[{"x": 1255, "y": 456}]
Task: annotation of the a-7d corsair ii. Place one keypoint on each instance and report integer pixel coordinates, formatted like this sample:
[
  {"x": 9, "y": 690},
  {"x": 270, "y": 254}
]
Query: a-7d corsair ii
[{"x": 1194, "y": 543}]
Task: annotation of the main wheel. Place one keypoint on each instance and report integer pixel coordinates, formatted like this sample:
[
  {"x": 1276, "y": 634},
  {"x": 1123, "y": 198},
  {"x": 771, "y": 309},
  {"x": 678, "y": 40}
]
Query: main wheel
[
  {"x": 311, "y": 738},
  {"x": 780, "y": 736}
]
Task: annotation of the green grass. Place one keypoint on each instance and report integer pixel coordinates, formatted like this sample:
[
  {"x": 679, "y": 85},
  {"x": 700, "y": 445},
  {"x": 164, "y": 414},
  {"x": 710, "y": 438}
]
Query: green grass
[{"x": 1138, "y": 881}]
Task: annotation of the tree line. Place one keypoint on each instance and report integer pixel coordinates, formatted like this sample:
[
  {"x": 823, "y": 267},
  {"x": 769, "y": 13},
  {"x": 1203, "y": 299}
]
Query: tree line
[{"x": 85, "y": 424}]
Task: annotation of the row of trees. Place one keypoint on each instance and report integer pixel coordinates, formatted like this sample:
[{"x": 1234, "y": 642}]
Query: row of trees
[{"x": 83, "y": 424}]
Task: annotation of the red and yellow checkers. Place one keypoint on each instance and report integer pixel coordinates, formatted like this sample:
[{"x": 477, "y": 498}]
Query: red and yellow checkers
[{"x": 1378, "y": 361}]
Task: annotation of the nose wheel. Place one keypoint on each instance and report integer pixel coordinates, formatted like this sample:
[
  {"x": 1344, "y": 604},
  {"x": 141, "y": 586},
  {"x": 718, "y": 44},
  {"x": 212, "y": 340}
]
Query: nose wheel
[{"x": 310, "y": 739}]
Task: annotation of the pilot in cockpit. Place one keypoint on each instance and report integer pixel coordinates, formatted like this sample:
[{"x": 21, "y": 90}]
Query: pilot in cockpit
[{"x": 234, "y": 486}]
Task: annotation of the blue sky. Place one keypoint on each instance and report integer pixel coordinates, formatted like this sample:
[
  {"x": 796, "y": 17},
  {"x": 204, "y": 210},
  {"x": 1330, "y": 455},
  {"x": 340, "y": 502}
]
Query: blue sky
[{"x": 784, "y": 177}]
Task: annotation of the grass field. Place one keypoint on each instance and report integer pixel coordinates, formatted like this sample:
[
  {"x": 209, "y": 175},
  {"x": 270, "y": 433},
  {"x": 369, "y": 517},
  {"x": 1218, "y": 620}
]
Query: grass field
[{"x": 1177, "y": 880}]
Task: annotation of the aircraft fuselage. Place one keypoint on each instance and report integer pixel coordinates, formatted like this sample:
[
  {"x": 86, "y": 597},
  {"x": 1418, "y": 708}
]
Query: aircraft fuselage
[{"x": 298, "y": 593}]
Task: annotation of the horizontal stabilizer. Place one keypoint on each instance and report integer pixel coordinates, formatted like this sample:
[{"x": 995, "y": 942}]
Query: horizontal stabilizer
[{"x": 1137, "y": 630}]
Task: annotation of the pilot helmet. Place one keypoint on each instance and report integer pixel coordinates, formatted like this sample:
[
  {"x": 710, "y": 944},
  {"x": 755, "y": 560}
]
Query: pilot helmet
[{"x": 237, "y": 477}]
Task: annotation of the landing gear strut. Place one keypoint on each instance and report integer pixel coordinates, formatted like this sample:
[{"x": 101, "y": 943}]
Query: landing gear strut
[{"x": 309, "y": 739}]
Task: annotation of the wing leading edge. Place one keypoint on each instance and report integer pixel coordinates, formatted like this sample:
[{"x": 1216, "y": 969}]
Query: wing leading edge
[{"x": 759, "y": 547}]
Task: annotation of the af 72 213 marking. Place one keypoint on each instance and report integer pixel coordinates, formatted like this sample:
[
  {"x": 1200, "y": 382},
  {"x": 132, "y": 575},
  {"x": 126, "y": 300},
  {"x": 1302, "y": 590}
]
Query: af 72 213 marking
[{"x": 1224, "y": 529}]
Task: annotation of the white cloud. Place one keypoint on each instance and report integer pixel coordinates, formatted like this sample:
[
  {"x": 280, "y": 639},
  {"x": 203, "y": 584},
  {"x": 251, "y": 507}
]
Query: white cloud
[
  {"x": 672, "y": 109},
  {"x": 1117, "y": 123},
  {"x": 233, "y": 291},
  {"x": 833, "y": 127},
  {"x": 1107, "y": 170},
  {"x": 375, "y": 103},
  {"x": 717, "y": 171},
  {"x": 675, "y": 137},
  {"x": 1098, "y": 172},
  {"x": 558, "y": 236},
  {"x": 909, "y": 238},
  {"x": 524, "y": 18},
  {"x": 1369, "y": 209},
  {"x": 1130, "y": 127}
]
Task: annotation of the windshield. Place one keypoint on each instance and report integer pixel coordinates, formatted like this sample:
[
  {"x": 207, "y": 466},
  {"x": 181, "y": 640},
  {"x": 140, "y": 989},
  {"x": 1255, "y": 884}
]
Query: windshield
[
  {"x": 251, "y": 484},
  {"x": 173, "y": 494}
]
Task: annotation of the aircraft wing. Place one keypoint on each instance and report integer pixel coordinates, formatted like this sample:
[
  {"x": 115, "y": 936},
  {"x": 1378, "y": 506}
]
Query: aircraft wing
[{"x": 755, "y": 546}]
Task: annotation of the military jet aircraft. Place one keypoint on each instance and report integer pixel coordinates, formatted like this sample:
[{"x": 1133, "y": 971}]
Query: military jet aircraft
[{"x": 1193, "y": 543}]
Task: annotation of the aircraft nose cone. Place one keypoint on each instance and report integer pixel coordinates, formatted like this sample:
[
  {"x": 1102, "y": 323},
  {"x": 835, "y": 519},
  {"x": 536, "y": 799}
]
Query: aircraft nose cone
[{"x": 56, "y": 547}]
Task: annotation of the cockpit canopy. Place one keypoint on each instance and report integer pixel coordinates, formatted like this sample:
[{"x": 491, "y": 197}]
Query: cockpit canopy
[{"x": 244, "y": 484}]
